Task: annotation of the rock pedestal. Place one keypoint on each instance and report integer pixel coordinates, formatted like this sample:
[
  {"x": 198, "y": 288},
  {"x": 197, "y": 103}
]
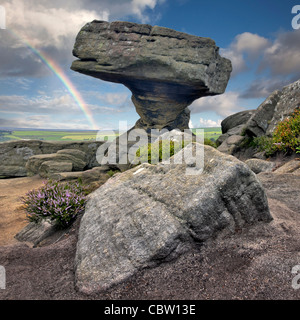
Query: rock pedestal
[{"x": 164, "y": 69}]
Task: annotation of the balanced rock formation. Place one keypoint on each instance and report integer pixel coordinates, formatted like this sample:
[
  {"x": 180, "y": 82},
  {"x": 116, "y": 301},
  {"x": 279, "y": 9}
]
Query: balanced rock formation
[
  {"x": 260, "y": 122},
  {"x": 164, "y": 69},
  {"x": 154, "y": 213}
]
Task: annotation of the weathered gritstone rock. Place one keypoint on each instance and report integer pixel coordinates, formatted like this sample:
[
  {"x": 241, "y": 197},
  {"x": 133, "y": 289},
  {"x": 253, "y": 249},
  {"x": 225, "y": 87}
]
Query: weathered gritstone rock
[
  {"x": 34, "y": 163},
  {"x": 97, "y": 174},
  {"x": 260, "y": 122},
  {"x": 165, "y": 70},
  {"x": 236, "y": 120},
  {"x": 151, "y": 214},
  {"x": 15, "y": 154},
  {"x": 47, "y": 168},
  {"x": 259, "y": 165},
  {"x": 75, "y": 153}
]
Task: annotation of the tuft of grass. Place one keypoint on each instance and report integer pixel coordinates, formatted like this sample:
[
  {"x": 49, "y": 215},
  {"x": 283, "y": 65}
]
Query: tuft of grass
[
  {"x": 159, "y": 151},
  {"x": 209, "y": 142},
  {"x": 112, "y": 172}
]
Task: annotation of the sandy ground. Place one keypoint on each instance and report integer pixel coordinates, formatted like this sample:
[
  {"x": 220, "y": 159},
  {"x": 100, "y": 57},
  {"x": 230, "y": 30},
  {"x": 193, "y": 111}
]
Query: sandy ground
[
  {"x": 12, "y": 215},
  {"x": 254, "y": 263}
]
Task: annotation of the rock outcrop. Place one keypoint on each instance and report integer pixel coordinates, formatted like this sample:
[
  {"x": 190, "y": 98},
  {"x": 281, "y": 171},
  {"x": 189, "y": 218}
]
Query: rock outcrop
[
  {"x": 64, "y": 160},
  {"x": 15, "y": 154},
  {"x": 154, "y": 213},
  {"x": 233, "y": 126},
  {"x": 260, "y": 122},
  {"x": 164, "y": 69},
  {"x": 236, "y": 120}
]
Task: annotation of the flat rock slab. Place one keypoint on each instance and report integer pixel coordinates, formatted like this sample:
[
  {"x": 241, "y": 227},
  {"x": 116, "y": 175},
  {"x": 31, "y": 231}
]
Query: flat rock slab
[
  {"x": 154, "y": 213},
  {"x": 290, "y": 167},
  {"x": 97, "y": 174}
]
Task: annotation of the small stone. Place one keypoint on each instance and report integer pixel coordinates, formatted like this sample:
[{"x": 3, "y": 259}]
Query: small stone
[
  {"x": 36, "y": 232},
  {"x": 258, "y": 165}
]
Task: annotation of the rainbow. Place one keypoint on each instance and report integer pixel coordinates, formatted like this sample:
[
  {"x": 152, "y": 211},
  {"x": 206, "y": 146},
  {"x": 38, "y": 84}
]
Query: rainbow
[{"x": 57, "y": 70}]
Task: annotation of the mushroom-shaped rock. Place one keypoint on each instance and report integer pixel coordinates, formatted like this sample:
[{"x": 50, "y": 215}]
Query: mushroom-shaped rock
[{"x": 164, "y": 69}]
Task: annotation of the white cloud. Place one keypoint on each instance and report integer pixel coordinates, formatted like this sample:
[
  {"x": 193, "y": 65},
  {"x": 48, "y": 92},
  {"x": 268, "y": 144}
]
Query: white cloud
[
  {"x": 44, "y": 25},
  {"x": 110, "y": 98},
  {"x": 278, "y": 65},
  {"x": 279, "y": 57},
  {"x": 44, "y": 122},
  {"x": 282, "y": 57},
  {"x": 262, "y": 88},
  {"x": 51, "y": 27},
  {"x": 236, "y": 58},
  {"x": 61, "y": 103},
  {"x": 209, "y": 123},
  {"x": 224, "y": 105},
  {"x": 252, "y": 44},
  {"x": 243, "y": 44},
  {"x": 50, "y": 23},
  {"x": 138, "y": 7},
  {"x": 40, "y": 104}
]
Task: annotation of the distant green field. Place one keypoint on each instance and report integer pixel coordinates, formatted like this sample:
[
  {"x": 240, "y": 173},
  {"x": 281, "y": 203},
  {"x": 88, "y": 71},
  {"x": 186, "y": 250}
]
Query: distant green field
[
  {"x": 53, "y": 135},
  {"x": 60, "y": 135},
  {"x": 210, "y": 133}
]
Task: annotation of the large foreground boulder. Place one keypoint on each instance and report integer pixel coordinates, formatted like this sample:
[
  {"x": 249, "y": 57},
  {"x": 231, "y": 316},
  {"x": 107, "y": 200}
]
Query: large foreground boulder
[
  {"x": 165, "y": 70},
  {"x": 154, "y": 213}
]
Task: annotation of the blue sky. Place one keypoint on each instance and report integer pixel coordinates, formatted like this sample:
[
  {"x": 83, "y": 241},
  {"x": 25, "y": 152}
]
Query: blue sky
[{"x": 257, "y": 36}]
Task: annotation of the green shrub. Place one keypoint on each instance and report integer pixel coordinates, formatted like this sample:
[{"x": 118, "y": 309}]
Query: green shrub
[
  {"x": 111, "y": 172},
  {"x": 157, "y": 152},
  {"x": 286, "y": 136},
  {"x": 59, "y": 202},
  {"x": 163, "y": 150},
  {"x": 209, "y": 142},
  {"x": 265, "y": 144}
]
